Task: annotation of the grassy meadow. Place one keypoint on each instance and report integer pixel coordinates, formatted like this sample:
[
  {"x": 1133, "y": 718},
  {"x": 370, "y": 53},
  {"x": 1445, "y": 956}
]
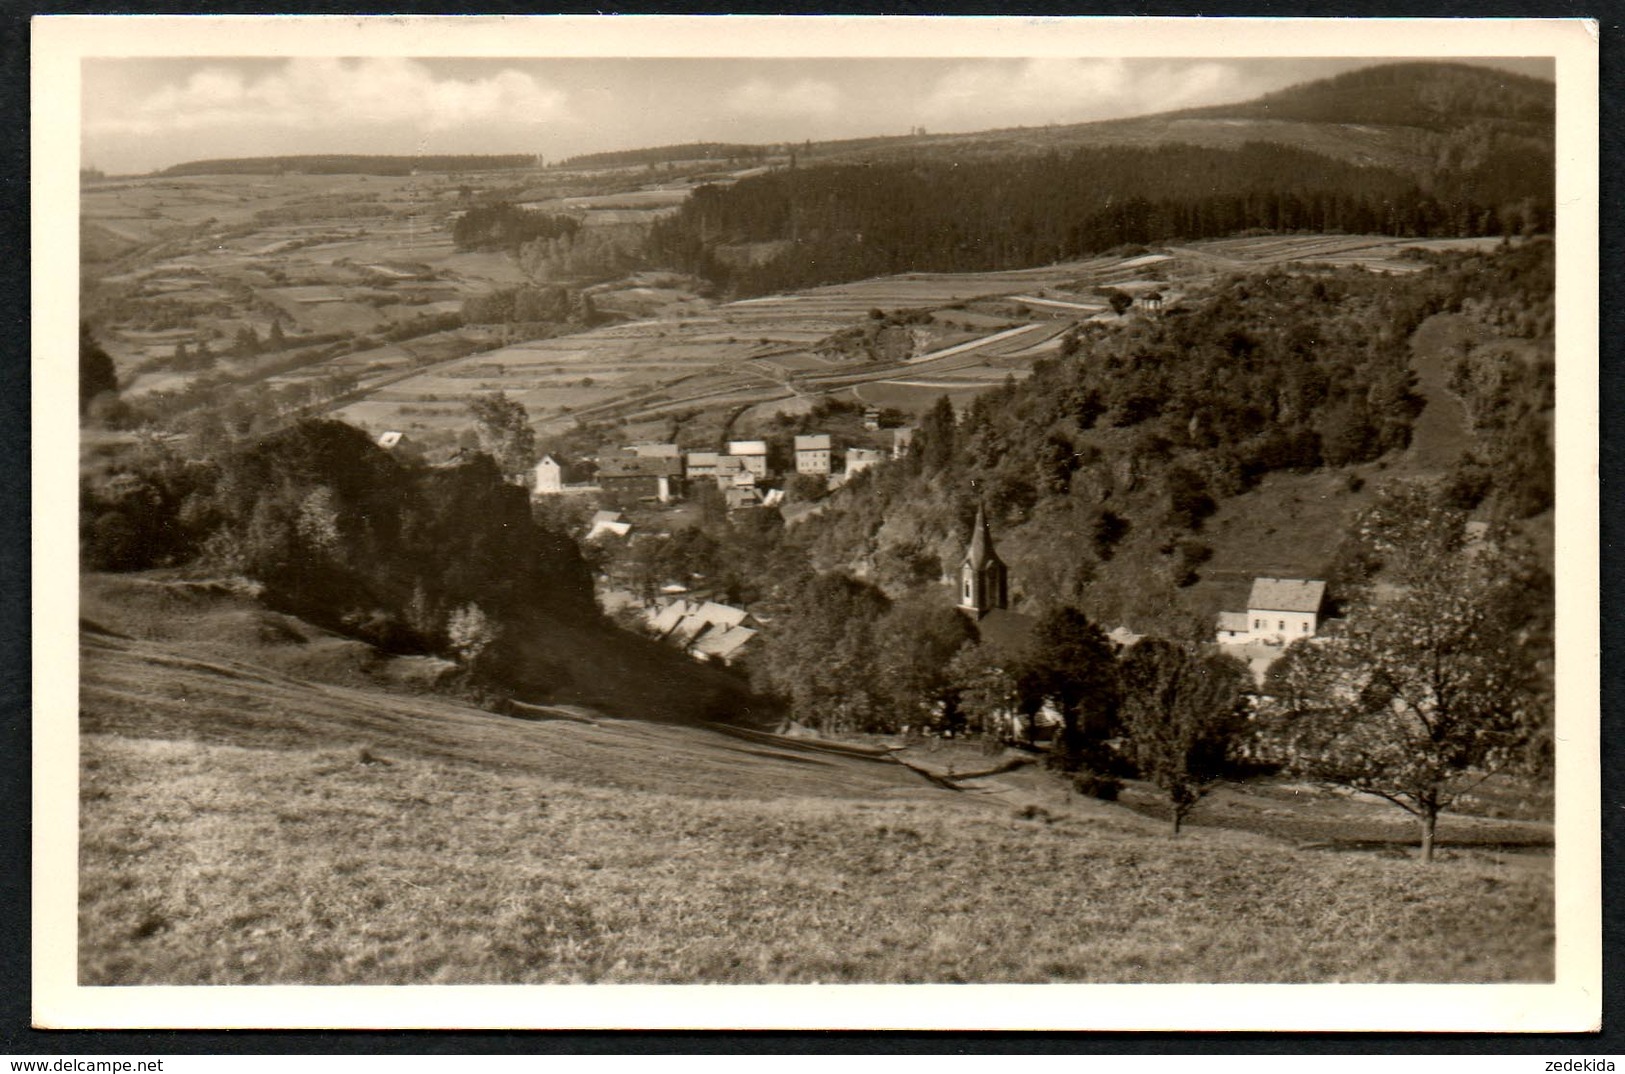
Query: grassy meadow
[{"x": 260, "y": 809}]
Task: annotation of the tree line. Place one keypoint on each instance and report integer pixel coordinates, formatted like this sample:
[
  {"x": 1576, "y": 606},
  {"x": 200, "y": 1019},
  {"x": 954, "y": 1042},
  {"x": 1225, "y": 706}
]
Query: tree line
[{"x": 504, "y": 226}]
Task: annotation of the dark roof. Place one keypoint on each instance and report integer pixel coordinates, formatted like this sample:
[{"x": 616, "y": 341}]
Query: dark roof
[
  {"x": 639, "y": 466},
  {"x": 980, "y": 553},
  {"x": 1005, "y": 630}
]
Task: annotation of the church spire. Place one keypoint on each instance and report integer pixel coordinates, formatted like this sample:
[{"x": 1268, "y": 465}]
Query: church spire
[
  {"x": 981, "y": 543},
  {"x": 982, "y": 577}
]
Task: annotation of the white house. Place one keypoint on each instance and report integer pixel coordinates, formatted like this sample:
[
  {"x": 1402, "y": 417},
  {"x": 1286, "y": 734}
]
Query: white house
[
  {"x": 1279, "y": 612},
  {"x": 752, "y": 452},
  {"x": 608, "y": 523},
  {"x": 549, "y": 477},
  {"x": 702, "y": 464},
  {"x": 859, "y": 459},
  {"x": 812, "y": 454}
]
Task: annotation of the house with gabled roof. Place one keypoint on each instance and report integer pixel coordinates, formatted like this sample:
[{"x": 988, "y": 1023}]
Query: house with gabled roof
[
  {"x": 1279, "y": 611},
  {"x": 641, "y": 476},
  {"x": 549, "y": 477},
  {"x": 706, "y": 630}
]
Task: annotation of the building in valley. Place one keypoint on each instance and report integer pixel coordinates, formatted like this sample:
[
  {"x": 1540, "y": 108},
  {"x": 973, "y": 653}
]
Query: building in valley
[
  {"x": 753, "y": 453},
  {"x": 859, "y": 459},
  {"x": 549, "y": 477},
  {"x": 812, "y": 453},
  {"x": 639, "y": 477},
  {"x": 706, "y": 630},
  {"x": 1279, "y": 611}
]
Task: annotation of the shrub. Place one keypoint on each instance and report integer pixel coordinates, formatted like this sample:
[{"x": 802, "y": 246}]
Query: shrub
[{"x": 1095, "y": 785}]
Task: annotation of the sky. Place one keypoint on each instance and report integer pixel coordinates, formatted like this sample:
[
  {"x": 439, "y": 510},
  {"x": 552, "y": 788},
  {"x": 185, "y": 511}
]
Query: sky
[{"x": 140, "y": 115}]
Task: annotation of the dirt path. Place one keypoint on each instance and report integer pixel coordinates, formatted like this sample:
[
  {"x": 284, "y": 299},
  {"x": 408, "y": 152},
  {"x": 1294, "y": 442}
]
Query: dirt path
[{"x": 1442, "y": 431}]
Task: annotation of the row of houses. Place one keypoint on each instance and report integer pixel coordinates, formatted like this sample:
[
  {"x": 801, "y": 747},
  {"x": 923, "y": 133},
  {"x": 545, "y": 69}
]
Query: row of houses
[{"x": 662, "y": 471}]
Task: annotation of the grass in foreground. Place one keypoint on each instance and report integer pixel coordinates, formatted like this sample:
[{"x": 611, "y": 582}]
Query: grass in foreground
[
  {"x": 239, "y": 825},
  {"x": 216, "y": 864}
]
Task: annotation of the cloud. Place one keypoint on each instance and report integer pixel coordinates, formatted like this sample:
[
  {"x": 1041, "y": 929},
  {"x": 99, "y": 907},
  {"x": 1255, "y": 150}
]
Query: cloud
[
  {"x": 324, "y": 94},
  {"x": 805, "y": 97},
  {"x": 1069, "y": 91}
]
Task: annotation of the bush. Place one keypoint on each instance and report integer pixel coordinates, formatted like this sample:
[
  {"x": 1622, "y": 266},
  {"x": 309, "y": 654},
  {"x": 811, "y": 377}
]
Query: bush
[{"x": 1095, "y": 785}]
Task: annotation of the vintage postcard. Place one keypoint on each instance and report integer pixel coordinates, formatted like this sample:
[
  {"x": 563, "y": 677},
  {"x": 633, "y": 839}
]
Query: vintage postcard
[{"x": 828, "y": 522}]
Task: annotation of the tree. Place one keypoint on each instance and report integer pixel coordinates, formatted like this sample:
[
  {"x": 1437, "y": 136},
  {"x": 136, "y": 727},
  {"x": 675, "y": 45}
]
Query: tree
[
  {"x": 1431, "y": 690},
  {"x": 1181, "y": 711},
  {"x": 504, "y": 431},
  {"x": 934, "y": 442},
  {"x": 821, "y": 653},
  {"x": 96, "y": 372},
  {"x": 1119, "y": 301},
  {"x": 247, "y": 342},
  {"x": 987, "y": 694},
  {"x": 1073, "y": 665},
  {"x": 917, "y": 639}
]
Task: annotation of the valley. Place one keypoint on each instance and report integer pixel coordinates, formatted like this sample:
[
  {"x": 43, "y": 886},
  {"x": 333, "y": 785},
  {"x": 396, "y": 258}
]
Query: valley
[{"x": 1118, "y": 552}]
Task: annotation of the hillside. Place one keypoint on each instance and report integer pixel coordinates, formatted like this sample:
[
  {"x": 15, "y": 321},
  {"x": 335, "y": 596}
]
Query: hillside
[
  {"x": 1238, "y": 437},
  {"x": 346, "y": 164},
  {"x": 1429, "y": 96},
  {"x": 252, "y": 814},
  {"x": 1395, "y": 115}
]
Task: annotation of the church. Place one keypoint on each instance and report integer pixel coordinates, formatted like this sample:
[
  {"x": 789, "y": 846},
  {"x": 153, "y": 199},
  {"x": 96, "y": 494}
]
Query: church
[{"x": 984, "y": 592}]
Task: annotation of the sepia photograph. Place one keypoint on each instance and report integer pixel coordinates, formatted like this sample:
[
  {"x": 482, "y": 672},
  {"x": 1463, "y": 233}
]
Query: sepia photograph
[{"x": 832, "y": 502}]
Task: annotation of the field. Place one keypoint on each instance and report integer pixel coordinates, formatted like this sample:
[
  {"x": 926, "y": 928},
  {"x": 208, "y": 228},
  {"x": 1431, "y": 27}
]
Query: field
[
  {"x": 226, "y": 754},
  {"x": 193, "y": 260},
  {"x": 755, "y": 353}
]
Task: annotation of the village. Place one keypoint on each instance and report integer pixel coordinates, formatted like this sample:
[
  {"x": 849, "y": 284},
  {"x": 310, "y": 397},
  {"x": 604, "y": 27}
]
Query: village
[{"x": 643, "y": 491}]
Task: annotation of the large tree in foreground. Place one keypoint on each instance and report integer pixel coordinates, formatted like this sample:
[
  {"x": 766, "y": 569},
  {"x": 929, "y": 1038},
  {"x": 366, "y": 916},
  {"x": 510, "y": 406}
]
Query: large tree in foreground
[
  {"x": 1181, "y": 711},
  {"x": 1432, "y": 688}
]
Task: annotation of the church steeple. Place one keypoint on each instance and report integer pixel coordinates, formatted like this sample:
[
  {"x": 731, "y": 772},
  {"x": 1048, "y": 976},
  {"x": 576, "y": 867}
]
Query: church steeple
[{"x": 982, "y": 575}]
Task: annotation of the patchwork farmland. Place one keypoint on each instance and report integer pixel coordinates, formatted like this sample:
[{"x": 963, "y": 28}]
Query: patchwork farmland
[
  {"x": 359, "y": 276},
  {"x": 970, "y": 333}
]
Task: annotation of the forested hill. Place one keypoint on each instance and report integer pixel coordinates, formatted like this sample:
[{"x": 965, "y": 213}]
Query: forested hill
[
  {"x": 626, "y": 158},
  {"x": 808, "y": 226},
  {"x": 1415, "y": 149},
  {"x": 1102, "y": 472},
  {"x": 411, "y": 558},
  {"x": 1410, "y": 117},
  {"x": 1432, "y": 96}
]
